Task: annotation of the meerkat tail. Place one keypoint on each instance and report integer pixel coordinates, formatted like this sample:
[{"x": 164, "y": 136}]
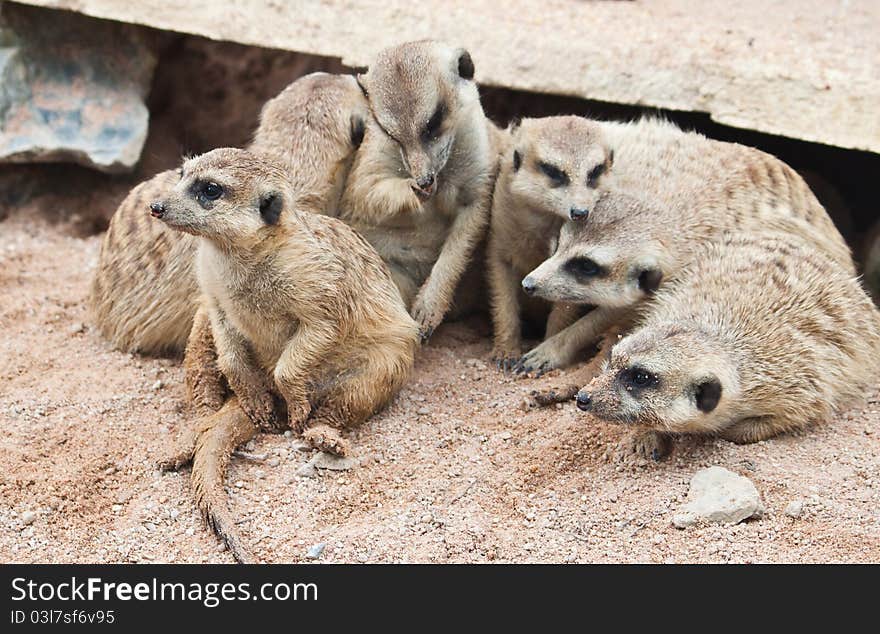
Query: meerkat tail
[{"x": 220, "y": 434}]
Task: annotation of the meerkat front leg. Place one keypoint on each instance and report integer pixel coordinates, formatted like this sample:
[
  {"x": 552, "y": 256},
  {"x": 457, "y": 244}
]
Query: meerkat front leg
[
  {"x": 435, "y": 296},
  {"x": 562, "y": 348},
  {"x": 299, "y": 363},
  {"x": 644, "y": 444},
  {"x": 562, "y": 316},
  {"x": 505, "y": 287},
  {"x": 247, "y": 381}
]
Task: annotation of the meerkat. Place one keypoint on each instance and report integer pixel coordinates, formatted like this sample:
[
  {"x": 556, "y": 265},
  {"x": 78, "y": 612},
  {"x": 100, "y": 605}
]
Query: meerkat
[
  {"x": 762, "y": 335},
  {"x": 144, "y": 293},
  {"x": 551, "y": 172},
  {"x": 420, "y": 187},
  {"x": 300, "y": 307},
  {"x": 708, "y": 186}
]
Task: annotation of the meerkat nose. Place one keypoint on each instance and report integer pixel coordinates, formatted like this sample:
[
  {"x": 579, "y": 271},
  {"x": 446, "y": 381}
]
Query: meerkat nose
[
  {"x": 157, "y": 210},
  {"x": 529, "y": 285},
  {"x": 578, "y": 213},
  {"x": 425, "y": 184},
  {"x": 584, "y": 402}
]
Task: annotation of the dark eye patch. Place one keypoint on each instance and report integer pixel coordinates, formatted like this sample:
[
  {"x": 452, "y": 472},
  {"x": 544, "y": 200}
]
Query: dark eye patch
[
  {"x": 595, "y": 174},
  {"x": 206, "y": 191},
  {"x": 555, "y": 174},
  {"x": 639, "y": 378},
  {"x": 434, "y": 123},
  {"x": 584, "y": 268},
  {"x": 517, "y": 160}
]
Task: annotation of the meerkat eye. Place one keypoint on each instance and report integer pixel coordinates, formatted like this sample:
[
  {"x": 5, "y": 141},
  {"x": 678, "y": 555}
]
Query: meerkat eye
[
  {"x": 212, "y": 191},
  {"x": 584, "y": 267},
  {"x": 595, "y": 174},
  {"x": 555, "y": 174},
  {"x": 639, "y": 377},
  {"x": 434, "y": 123}
]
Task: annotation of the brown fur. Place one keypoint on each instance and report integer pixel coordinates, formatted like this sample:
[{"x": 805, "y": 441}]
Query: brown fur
[
  {"x": 208, "y": 443},
  {"x": 426, "y": 234},
  {"x": 693, "y": 189},
  {"x": 302, "y": 308},
  {"x": 144, "y": 293},
  {"x": 768, "y": 333},
  {"x": 528, "y": 209}
]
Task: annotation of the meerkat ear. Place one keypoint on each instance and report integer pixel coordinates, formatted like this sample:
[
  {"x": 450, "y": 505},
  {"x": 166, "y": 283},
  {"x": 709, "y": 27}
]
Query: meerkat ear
[
  {"x": 465, "y": 65},
  {"x": 707, "y": 394},
  {"x": 358, "y": 126},
  {"x": 649, "y": 280},
  {"x": 271, "y": 206}
]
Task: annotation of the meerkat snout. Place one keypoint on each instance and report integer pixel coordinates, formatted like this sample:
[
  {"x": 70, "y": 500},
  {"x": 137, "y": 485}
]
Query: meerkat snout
[
  {"x": 425, "y": 185},
  {"x": 529, "y": 285},
  {"x": 578, "y": 213},
  {"x": 157, "y": 209}
]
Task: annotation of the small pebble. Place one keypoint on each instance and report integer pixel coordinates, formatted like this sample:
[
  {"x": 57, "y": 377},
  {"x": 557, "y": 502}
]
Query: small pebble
[
  {"x": 316, "y": 550},
  {"x": 158, "y": 385},
  {"x": 423, "y": 411},
  {"x": 28, "y": 517},
  {"x": 795, "y": 508}
]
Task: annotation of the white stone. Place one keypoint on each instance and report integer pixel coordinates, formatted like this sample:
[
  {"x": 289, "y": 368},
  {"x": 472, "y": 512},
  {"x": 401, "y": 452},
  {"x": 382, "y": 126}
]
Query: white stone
[{"x": 720, "y": 496}]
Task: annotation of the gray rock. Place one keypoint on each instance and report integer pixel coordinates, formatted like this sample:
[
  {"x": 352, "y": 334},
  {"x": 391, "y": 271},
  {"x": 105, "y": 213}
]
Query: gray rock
[
  {"x": 795, "y": 508},
  {"x": 325, "y": 460},
  {"x": 315, "y": 551},
  {"x": 72, "y": 89},
  {"x": 719, "y": 496}
]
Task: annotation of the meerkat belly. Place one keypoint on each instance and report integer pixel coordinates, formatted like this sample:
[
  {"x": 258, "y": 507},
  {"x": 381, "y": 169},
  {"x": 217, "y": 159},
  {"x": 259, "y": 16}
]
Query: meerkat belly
[{"x": 412, "y": 243}]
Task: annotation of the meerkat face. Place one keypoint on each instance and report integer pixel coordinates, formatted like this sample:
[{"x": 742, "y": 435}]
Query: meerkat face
[
  {"x": 418, "y": 93},
  {"x": 670, "y": 377},
  {"x": 605, "y": 260},
  {"x": 227, "y": 195},
  {"x": 558, "y": 165}
]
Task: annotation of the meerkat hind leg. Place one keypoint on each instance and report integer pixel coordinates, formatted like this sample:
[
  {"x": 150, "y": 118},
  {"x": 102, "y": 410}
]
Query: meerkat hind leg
[{"x": 751, "y": 430}]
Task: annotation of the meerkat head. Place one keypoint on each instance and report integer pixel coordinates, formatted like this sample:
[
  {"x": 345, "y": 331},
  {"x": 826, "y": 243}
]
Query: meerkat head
[
  {"x": 605, "y": 260},
  {"x": 418, "y": 93},
  {"x": 227, "y": 195},
  {"x": 672, "y": 377},
  {"x": 557, "y": 165},
  {"x": 321, "y": 105}
]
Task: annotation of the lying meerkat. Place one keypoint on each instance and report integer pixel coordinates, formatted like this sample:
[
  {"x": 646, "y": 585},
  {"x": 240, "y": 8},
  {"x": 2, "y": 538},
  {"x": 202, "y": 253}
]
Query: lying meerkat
[
  {"x": 550, "y": 173},
  {"x": 704, "y": 186},
  {"x": 762, "y": 334},
  {"x": 300, "y": 306},
  {"x": 144, "y": 293},
  {"x": 420, "y": 187}
]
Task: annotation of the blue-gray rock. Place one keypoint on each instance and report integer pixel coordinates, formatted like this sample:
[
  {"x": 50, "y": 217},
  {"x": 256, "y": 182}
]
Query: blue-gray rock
[
  {"x": 72, "y": 89},
  {"x": 315, "y": 551}
]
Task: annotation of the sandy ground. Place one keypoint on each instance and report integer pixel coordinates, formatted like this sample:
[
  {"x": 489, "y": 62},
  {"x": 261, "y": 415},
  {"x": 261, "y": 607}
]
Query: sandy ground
[{"x": 453, "y": 471}]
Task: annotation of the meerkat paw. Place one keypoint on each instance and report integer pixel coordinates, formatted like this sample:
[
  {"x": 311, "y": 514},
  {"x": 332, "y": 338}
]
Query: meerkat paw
[
  {"x": 643, "y": 444},
  {"x": 553, "y": 395},
  {"x": 181, "y": 453},
  {"x": 506, "y": 357},
  {"x": 297, "y": 414},
  {"x": 261, "y": 410},
  {"x": 427, "y": 316},
  {"x": 326, "y": 438},
  {"x": 542, "y": 359}
]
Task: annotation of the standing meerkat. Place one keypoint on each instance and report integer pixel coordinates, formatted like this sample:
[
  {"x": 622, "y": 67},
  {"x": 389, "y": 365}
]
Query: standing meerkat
[
  {"x": 707, "y": 186},
  {"x": 763, "y": 334},
  {"x": 420, "y": 187},
  {"x": 551, "y": 172},
  {"x": 300, "y": 307},
  {"x": 144, "y": 293}
]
